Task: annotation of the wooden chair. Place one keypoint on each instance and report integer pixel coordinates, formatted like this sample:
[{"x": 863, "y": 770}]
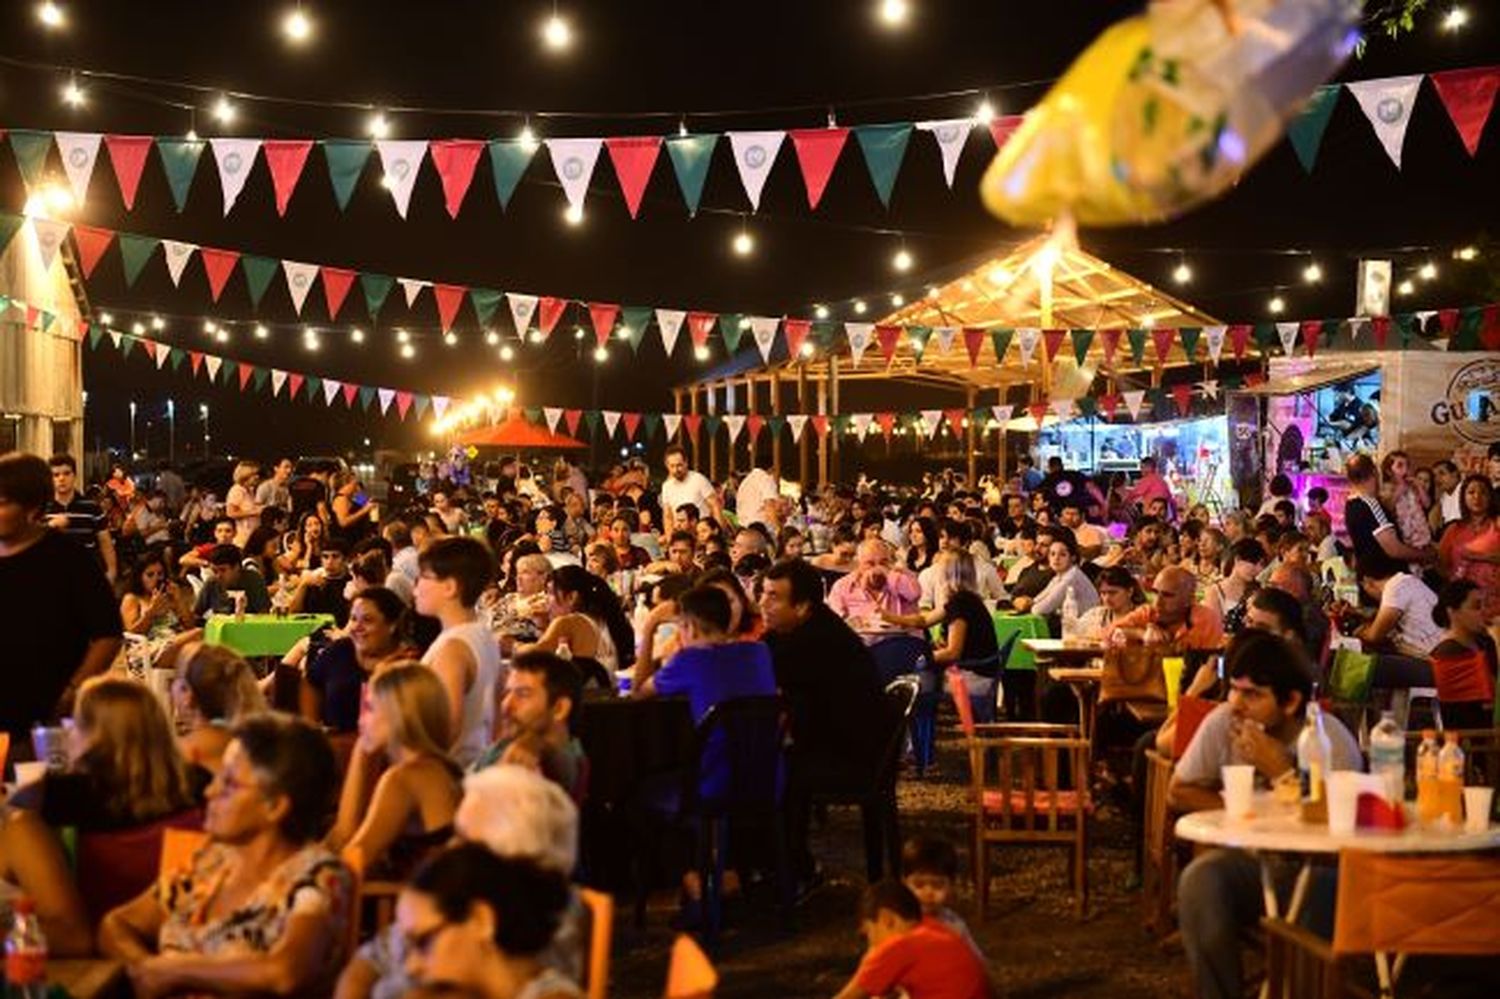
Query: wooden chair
[
  {"x": 601, "y": 936},
  {"x": 1018, "y": 791},
  {"x": 4, "y": 750},
  {"x": 1159, "y": 872},
  {"x": 377, "y": 897}
]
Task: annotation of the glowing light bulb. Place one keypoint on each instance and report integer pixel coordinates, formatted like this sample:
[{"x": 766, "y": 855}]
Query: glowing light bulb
[
  {"x": 1183, "y": 274},
  {"x": 106, "y": 318},
  {"x": 894, "y": 13},
  {"x": 744, "y": 244},
  {"x": 403, "y": 337},
  {"x": 1428, "y": 272},
  {"x": 450, "y": 338},
  {"x": 51, "y": 15},
  {"x": 573, "y": 215},
  {"x": 1455, "y": 19},
  {"x": 998, "y": 276},
  {"x": 556, "y": 33},
  {"x": 820, "y": 311},
  {"x": 933, "y": 291},
  {"x": 72, "y": 94},
  {"x": 378, "y": 126},
  {"x": 210, "y": 327},
  {"x": 224, "y": 110},
  {"x": 192, "y": 135},
  {"x": 408, "y": 351},
  {"x": 860, "y": 308},
  {"x": 700, "y": 353},
  {"x": 1312, "y": 273},
  {"x": 807, "y": 349},
  {"x": 312, "y": 343},
  {"x": 507, "y": 353},
  {"x": 1467, "y": 253},
  {"x": 898, "y": 300},
  {"x": 985, "y": 112},
  {"x": 158, "y": 323},
  {"x": 601, "y": 354},
  {"x": 902, "y": 261},
  {"x": 222, "y": 336},
  {"x": 297, "y": 26},
  {"x": 1277, "y": 306},
  {"x": 527, "y": 138},
  {"x": 577, "y": 332},
  {"x": 261, "y": 333},
  {"x": 1406, "y": 287},
  {"x": 491, "y": 337},
  {"x": 357, "y": 335},
  {"x": 138, "y": 328},
  {"x": 537, "y": 336}
]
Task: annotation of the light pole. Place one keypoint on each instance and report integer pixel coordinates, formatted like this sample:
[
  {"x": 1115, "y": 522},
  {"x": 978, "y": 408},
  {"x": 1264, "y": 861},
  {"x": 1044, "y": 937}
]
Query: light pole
[
  {"x": 203, "y": 412},
  {"x": 132, "y": 431},
  {"x": 171, "y": 431}
]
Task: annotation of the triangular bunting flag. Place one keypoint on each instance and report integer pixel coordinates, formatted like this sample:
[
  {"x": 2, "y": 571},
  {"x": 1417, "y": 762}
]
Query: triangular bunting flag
[
  {"x": 403, "y": 403},
  {"x": 135, "y": 252},
  {"x": 632, "y": 423},
  {"x": 1038, "y": 412},
  {"x": 1062, "y": 409},
  {"x": 860, "y": 423},
  {"x": 1002, "y": 414},
  {"x": 603, "y": 316},
  {"x": 763, "y": 329},
  {"x": 235, "y": 157},
  {"x": 611, "y": 421},
  {"x": 931, "y": 420},
  {"x": 1239, "y": 339},
  {"x": 522, "y": 308},
  {"x": 92, "y": 242},
  {"x": 731, "y": 327},
  {"x": 278, "y": 379},
  {"x": 1387, "y": 103},
  {"x": 955, "y": 418},
  {"x": 1003, "y": 127},
  {"x": 692, "y": 421},
  {"x": 634, "y": 157},
  {"x": 669, "y": 324},
  {"x": 400, "y": 160},
  {"x": 1312, "y": 330},
  {"x": 820, "y": 424},
  {"x": 258, "y": 274},
  {"x": 179, "y": 158},
  {"x": 1182, "y": 395},
  {"x": 691, "y": 156},
  {"x": 455, "y": 160},
  {"x": 1305, "y": 132},
  {"x": 1110, "y": 339},
  {"x": 951, "y": 135},
  {"x": 795, "y": 331},
  {"x": 350, "y": 392},
  {"x": 860, "y": 335},
  {"x": 116, "y": 339},
  {"x": 1000, "y": 342},
  {"x": 1136, "y": 337},
  {"x": 195, "y": 361},
  {"x": 387, "y": 396},
  {"x": 162, "y": 355},
  {"x": 1027, "y": 340},
  {"x": 9, "y": 226},
  {"x": 336, "y": 285},
  {"x": 670, "y": 423},
  {"x": 754, "y": 155},
  {"x": 285, "y": 158},
  {"x": 218, "y": 265},
  {"x": 633, "y": 322},
  {"x": 450, "y": 298},
  {"x": 421, "y": 402},
  {"x": 917, "y": 337},
  {"x": 1133, "y": 401},
  {"x": 177, "y": 255},
  {"x": 818, "y": 151},
  {"x": 299, "y": 281},
  {"x": 509, "y": 159},
  {"x": 552, "y": 415},
  {"x": 700, "y": 325},
  {"x": 485, "y": 301},
  {"x": 411, "y": 288},
  {"x": 1108, "y": 404},
  {"x": 797, "y": 422},
  {"x": 549, "y": 311},
  {"x": 346, "y": 159},
  {"x": 1188, "y": 335},
  {"x": 1287, "y": 332},
  {"x": 1081, "y": 341},
  {"x": 1162, "y": 338},
  {"x": 945, "y": 336},
  {"x": 884, "y": 147},
  {"x": 31, "y": 148},
  {"x": 246, "y": 371},
  {"x": 127, "y": 154},
  {"x": 1467, "y": 94},
  {"x": 1052, "y": 343},
  {"x": 367, "y": 395},
  {"x": 211, "y": 364},
  {"x": 376, "y": 288},
  {"x": 331, "y": 390},
  {"x": 574, "y": 161},
  {"x": 80, "y": 151},
  {"x": 570, "y": 420},
  {"x": 50, "y": 234},
  {"x": 439, "y": 406},
  {"x": 887, "y": 336},
  {"x": 973, "y": 343},
  {"x": 294, "y": 383}
]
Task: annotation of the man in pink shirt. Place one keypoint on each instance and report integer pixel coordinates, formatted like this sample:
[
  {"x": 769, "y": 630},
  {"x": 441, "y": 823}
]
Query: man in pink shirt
[
  {"x": 1149, "y": 486},
  {"x": 875, "y": 585}
]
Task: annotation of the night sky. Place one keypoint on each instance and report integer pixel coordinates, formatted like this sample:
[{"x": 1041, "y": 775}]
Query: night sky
[{"x": 799, "y": 58}]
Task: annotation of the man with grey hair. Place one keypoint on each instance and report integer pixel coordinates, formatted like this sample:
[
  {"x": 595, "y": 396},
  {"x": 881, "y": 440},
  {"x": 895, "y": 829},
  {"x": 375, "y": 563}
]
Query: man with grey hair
[{"x": 876, "y": 585}]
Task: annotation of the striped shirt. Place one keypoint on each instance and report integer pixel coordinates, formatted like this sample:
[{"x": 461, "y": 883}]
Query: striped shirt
[{"x": 85, "y": 520}]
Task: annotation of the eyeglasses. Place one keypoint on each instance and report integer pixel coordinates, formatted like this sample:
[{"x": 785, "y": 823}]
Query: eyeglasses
[{"x": 225, "y": 786}]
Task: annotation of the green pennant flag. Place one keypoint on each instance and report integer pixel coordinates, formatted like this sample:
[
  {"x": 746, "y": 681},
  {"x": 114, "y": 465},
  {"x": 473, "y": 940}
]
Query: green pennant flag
[
  {"x": 258, "y": 274},
  {"x": 533, "y": 414},
  {"x": 822, "y": 332},
  {"x": 508, "y": 161},
  {"x": 366, "y": 396},
  {"x": 1409, "y": 327},
  {"x": 314, "y": 388},
  {"x": 1265, "y": 336},
  {"x": 1189, "y": 336},
  {"x": 346, "y": 161},
  {"x": 884, "y": 147},
  {"x": 258, "y": 379},
  {"x": 1081, "y": 341},
  {"x": 649, "y": 423},
  {"x": 485, "y": 301},
  {"x": 9, "y": 226},
  {"x": 1306, "y": 130},
  {"x": 919, "y": 335},
  {"x": 711, "y": 425},
  {"x": 4, "y": 302},
  {"x": 31, "y": 148},
  {"x": 48, "y": 318},
  {"x": 1466, "y": 335},
  {"x": 421, "y": 402},
  {"x": 591, "y": 421},
  {"x": 376, "y": 287},
  {"x": 691, "y": 155},
  {"x": 176, "y": 356},
  {"x": 1137, "y": 338},
  {"x": 1000, "y": 340},
  {"x": 1230, "y": 380},
  {"x": 179, "y": 158},
  {"x": 729, "y": 328},
  {"x": 636, "y": 318},
  {"x": 775, "y": 423},
  {"x": 134, "y": 252},
  {"x": 96, "y": 333},
  {"x": 1086, "y": 405},
  {"x": 127, "y": 344},
  {"x": 227, "y": 370}
]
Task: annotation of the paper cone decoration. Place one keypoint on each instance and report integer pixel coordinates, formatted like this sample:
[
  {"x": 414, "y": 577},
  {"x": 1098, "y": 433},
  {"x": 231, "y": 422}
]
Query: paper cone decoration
[
  {"x": 754, "y": 155},
  {"x": 1387, "y": 104},
  {"x": 574, "y": 160},
  {"x": 400, "y": 160}
]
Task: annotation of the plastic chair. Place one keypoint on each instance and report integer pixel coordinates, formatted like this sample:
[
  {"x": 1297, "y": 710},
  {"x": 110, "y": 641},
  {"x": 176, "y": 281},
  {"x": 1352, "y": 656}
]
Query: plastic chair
[
  {"x": 907, "y": 655},
  {"x": 114, "y": 867},
  {"x": 601, "y": 935}
]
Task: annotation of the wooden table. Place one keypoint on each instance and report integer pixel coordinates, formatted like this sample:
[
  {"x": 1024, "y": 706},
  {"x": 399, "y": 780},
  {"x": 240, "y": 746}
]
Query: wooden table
[
  {"x": 88, "y": 978},
  {"x": 1084, "y": 682},
  {"x": 1064, "y": 651}
]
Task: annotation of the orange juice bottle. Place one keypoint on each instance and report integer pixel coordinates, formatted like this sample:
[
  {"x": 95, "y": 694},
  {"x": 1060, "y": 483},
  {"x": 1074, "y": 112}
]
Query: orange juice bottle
[
  {"x": 1450, "y": 780},
  {"x": 1428, "y": 806}
]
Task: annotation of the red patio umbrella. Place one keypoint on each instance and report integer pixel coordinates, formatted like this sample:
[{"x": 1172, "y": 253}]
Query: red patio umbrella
[{"x": 517, "y": 433}]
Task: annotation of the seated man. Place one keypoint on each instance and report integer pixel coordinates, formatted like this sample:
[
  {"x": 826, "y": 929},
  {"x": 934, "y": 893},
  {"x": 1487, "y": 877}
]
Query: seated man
[
  {"x": 536, "y": 714},
  {"x": 1220, "y": 894},
  {"x": 1092, "y": 539},
  {"x": 322, "y": 591},
  {"x": 230, "y": 575},
  {"x": 681, "y": 550},
  {"x": 1404, "y": 619},
  {"x": 910, "y": 954},
  {"x": 1174, "y": 619},
  {"x": 1031, "y": 574},
  {"x": 876, "y": 585},
  {"x": 197, "y": 556}
]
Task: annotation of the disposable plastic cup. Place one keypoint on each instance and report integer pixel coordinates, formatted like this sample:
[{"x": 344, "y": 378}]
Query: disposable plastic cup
[
  {"x": 1477, "y": 804},
  {"x": 1343, "y": 787},
  {"x": 1239, "y": 790},
  {"x": 30, "y": 773}
]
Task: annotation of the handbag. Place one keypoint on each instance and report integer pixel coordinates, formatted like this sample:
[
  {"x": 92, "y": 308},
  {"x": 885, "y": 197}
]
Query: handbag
[{"x": 1133, "y": 672}]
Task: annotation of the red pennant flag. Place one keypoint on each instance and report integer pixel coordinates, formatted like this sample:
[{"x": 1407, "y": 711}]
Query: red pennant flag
[
  {"x": 1109, "y": 404},
  {"x": 887, "y": 423},
  {"x": 1312, "y": 330},
  {"x": 692, "y": 421},
  {"x": 796, "y": 333},
  {"x": 1163, "y": 337},
  {"x": 820, "y": 424},
  {"x": 1002, "y": 128},
  {"x": 1253, "y": 379},
  {"x": 888, "y": 335},
  {"x": 818, "y": 151},
  {"x": 1469, "y": 95},
  {"x": 92, "y": 242},
  {"x": 195, "y": 360},
  {"x": 1447, "y": 319},
  {"x": 1380, "y": 328},
  {"x": 349, "y": 392},
  {"x": 450, "y": 297},
  {"x": 1489, "y": 328},
  {"x": 336, "y": 284},
  {"x": 753, "y": 423},
  {"x": 1239, "y": 339},
  {"x": 955, "y": 419},
  {"x": 128, "y": 154},
  {"x": 634, "y": 158},
  {"x": 1183, "y": 396},
  {"x": 246, "y": 370},
  {"x": 548, "y": 311},
  {"x": 1051, "y": 341},
  {"x": 218, "y": 265},
  {"x": 973, "y": 343},
  {"x": 570, "y": 419},
  {"x": 455, "y": 160},
  {"x": 403, "y": 403},
  {"x": 286, "y": 158},
  {"x": 148, "y": 347},
  {"x": 632, "y": 421},
  {"x": 1037, "y": 410},
  {"x": 700, "y": 325},
  {"x": 32, "y": 314},
  {"x": 603, "y": 315},
  {"x": 294, "y": 382},
  {"x": 1110, "y": 338}
]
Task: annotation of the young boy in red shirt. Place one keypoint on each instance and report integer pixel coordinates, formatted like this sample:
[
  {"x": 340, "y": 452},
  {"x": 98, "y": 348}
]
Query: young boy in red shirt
[{"x": 919, "y": 956}]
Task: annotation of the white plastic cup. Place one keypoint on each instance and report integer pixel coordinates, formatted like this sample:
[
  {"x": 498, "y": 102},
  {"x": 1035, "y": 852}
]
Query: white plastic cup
[
  {"x": 30, "y": 773},
  {"x": 1343, "y": 787},
  {"x": 1477, "y": 804},
  {"x": 1239, "y": 790}
]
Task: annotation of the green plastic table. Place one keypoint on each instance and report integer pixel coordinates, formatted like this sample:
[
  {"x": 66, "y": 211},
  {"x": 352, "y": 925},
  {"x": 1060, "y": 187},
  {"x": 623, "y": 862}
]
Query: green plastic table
[
  {"x": 262, "y": 634},
  {"x": 1023, "y": 626}
]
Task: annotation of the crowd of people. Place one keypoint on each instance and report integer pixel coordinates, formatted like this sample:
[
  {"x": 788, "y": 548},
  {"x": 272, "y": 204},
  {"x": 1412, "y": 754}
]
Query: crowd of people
[{"x": 430, "y": 735}]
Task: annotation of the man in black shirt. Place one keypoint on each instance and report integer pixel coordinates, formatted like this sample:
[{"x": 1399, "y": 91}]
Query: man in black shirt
[
  {"x": 322, "y": 590},
  {"x": 229, "y": 574},
  {"x": 1379, "y": 551},
  {"x": 1065, "y": 486},
  {"x": 57, "y": 612},
  {"x": 80, "y": 519}
]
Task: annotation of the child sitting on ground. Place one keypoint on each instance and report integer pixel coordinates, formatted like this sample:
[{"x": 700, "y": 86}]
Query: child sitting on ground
[
  {"x": 928, "y": 867},
  {"x": 919, "y": 956}
]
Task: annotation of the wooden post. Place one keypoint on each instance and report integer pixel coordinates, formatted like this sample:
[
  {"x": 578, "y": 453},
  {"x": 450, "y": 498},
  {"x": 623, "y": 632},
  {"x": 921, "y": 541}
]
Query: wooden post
[
  {"x": 970, "y": 397},
  {"x": 713, "y": 452},
  {"x": 692, "y": 440},
  {"x": 804, "y": 446},
  {"x": 775, "y": 382},
  {"x": 833, "y": 399},
  {"x": 822, "y": 440}
]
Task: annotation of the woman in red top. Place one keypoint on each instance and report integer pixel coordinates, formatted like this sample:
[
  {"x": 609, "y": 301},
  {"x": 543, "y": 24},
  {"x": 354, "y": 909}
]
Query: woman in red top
[
  {"x": 1470, "y": 547},
  {"x": 1464, "y": 662}
]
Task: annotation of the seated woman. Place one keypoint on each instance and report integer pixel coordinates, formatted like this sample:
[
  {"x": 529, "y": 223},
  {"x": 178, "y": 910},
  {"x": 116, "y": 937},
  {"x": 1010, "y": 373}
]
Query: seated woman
[
  {"x": 154, "y": 604},
  {"x": 1230, "y": 596},
  {"x": 969, "y": 641},
  {"x": 746, "y": 623},
  {"x": 588, "y": 618},
  {"x": 410, "y": 810},
  {"x": 522, "y": 612},
  {"x": 1464, "y": 662},
  {"x": 124, "y": 768},
  {"x": 1119, "y": 594},
  {"x": 32, "y": 863},
  {"x": 1062, "y": 559},
  {"x": 214, "y": 688},
  {"x": 332, "y": 677},
  {"x": 263, "y": 907}
]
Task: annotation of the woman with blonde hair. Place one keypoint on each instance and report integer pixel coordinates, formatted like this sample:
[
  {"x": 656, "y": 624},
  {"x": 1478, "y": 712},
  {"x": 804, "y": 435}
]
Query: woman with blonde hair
[
  {"x": 213, "y": 689},
  {"x": 239, "y": 503},
  {"x": 409, "y": 812}
]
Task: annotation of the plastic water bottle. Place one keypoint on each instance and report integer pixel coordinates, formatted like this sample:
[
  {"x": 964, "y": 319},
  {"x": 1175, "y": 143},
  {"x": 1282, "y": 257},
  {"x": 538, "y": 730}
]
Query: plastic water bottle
[
  {"x": 1429, "y": 807},
  {"x": 1069, "y": 614},
  {"x": 1314, "y": 751},
  {"x": 1388, "y": 756},
  {"x": 1450, "y": 780},
  {"x": 25, "y": 953},
  {"x": 564, "y": 649}
]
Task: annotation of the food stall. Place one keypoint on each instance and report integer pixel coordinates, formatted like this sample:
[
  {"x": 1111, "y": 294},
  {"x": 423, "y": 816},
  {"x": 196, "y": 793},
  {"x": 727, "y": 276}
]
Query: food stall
[{"x": 1191, "y": 453}]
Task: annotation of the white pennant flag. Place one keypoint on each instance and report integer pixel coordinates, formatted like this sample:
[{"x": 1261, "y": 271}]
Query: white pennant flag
[
  {"x": 50, "y": 234},
  {"x": 611, "y": 421},
  {"x": 162, "y": 350},
  {"x": 1002, "y": 414},
  {"x": 331, "y": 390},
  {"x": 400, "y": 159},
  {"x": 859, "y": 339},
  {"x": 1215, "y": 336},
  {"x": 178, "y": 255},
  {"x": 80, "y": 151},
  {"x": 798, "y": 423},
  {"x": 1388, "y": 103},
  {"x": 754, "y": 153},
  {"x": 861, "y": 424},
  {"x": 212, "y": 362},
  {"x": 1210, "y": 388},
  {"x": 412, "y": 287},
  {"x": 669, "y": 321},
  {"x": 522, "y": 308},
  {"x": 573, "y": 160},
  {"x": 235, "y": 157},
  {"x": 1027, "y": 339},
  {"x": 386, "y": 395},
  {"x": 278, "y": 379},
  {"x": 439, "y": 406},
  {"x": 931, "y": 420},
  {"x": 951, "y": 136},
  {"x": 670, "y": 422},
  {"x": 1062, "y": 409},
  {"x": 552, "y": 414},
  {"x": 944, "y": 336},
  {"x": 1288, "y": 334},
  {"x": 1133, "y": 402},
  {"x": 299, "y": 281},
  {"x": 1357, "y": 328},
  {"x": 735, "y": 422},
  {"x": 115, "y": 338},
  {"x": 1422, "y": 316},
  {"x": 763, "y": 328}
]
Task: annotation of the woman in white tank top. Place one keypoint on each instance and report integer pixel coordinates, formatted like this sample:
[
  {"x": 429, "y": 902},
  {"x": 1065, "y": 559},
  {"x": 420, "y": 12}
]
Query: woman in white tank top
[{"x": 479, "y": 699}]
